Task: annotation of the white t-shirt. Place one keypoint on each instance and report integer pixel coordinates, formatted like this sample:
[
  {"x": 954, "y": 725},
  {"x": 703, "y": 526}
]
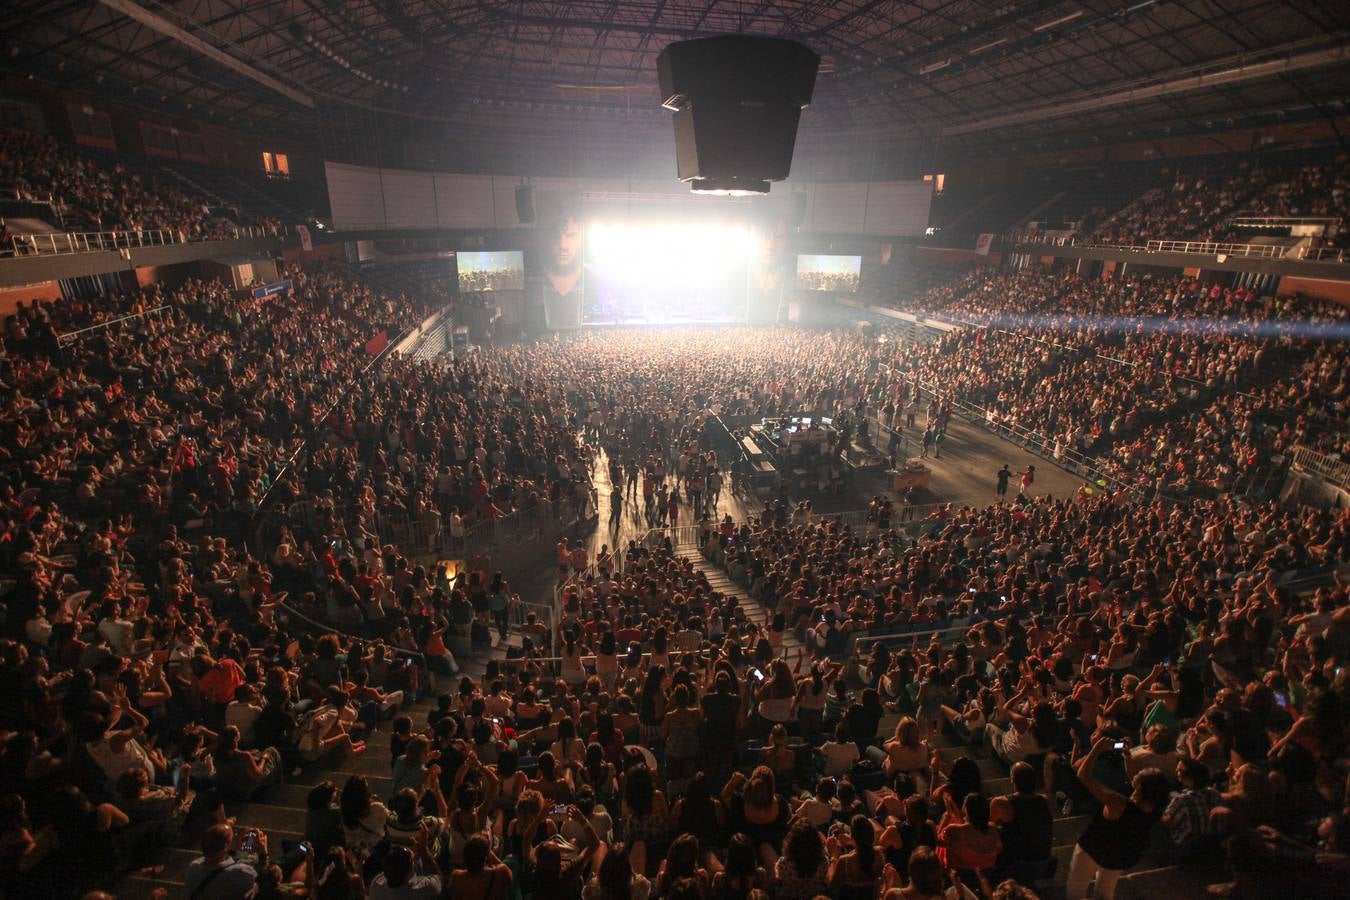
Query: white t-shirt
[
  {"x": 118, "y": 633},
  {"x": 839, "y": 758},
  {"x": 370, "y": 830},
  {"x": 242, "y": 716},
  {"x": 815, "y": 811},
  {"x": 114, "y": 763}
]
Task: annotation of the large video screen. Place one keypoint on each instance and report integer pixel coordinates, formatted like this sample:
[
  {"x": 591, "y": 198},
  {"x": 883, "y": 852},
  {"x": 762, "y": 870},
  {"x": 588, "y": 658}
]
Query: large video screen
[
  {"x": 491, "y": 270},
  {"x": 828, "y": 272}
]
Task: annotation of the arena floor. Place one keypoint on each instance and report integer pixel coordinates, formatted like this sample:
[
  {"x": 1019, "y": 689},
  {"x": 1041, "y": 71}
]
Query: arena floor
[{"x": 964, "y": 475}]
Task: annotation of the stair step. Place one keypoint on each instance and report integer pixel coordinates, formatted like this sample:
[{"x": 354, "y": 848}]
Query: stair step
[
  {"x": 260, "y": 814},
  {"x": 138, "y": 888}
]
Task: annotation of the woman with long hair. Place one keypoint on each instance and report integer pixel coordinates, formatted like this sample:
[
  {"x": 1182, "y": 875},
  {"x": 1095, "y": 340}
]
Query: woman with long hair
[
  {"x": 616, "y": 878},
  {"x": 755, "y": 809},
  {"x": 801, "y": 872},
  {"x": 773, "y": 697},
  {"x": 652, "y": 706},
  {"x": 682, "y": 862},
  {"x": 573, "y": 672},
  {"x": 812, "y": 693},
  {"x": 680, "y": 729},
  {"x": 646, "y": 816},
  {"x": 742, "y": 873},
  {"x": 699, "y": 812},
  {"x": 598, "y": 773},
  {"x": 607, "y": 660},
  {"x": 363, "y": 817},
  {"x": 854, "y": 873},
  {"x": 908, "y": 753},
  {"x": 968, "y": 840},
  {"x": 568, "y": 749},
  {"x": 484, "y": 876}
]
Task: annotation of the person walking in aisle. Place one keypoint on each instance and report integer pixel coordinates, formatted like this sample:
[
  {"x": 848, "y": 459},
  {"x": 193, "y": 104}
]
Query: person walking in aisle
[
  {"x": 927, "y": 442},
  {"x": 1004, "y": 475}
]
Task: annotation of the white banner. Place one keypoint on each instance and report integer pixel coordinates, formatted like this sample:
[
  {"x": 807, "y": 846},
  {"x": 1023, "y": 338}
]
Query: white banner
[
  {"x": 306, "y": 243},
  {"x": 982, "y": 244}
]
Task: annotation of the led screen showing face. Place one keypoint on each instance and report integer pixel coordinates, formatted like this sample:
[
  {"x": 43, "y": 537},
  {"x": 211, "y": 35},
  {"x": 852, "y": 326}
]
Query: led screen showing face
[
  {"x": 490, "y": 270},
  {"x": 828, "y": 272}
]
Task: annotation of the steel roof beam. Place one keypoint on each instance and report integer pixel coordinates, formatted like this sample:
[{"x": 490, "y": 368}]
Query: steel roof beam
[
  {"x": 192, "y": 42},
  {"x": 1234, "y": 75}
]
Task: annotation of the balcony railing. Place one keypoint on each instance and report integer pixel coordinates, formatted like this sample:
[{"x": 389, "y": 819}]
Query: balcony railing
[
  {"x": 13, "y": 193},
  {"x": 1206, "y": 248},
  {"x": 1327, "y": 222},
  {"x": 109, "y": 323},
  {"x": 64, "y": 242}
]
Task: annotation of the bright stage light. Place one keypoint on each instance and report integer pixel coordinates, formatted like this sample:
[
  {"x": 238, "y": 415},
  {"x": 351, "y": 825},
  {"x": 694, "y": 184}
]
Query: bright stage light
[
  {"x": 669, "y": 250},
  {"x": 668, "y": 271}
]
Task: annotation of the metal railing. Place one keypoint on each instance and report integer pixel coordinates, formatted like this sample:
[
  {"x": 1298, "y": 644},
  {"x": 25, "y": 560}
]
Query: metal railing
[
  {"x": 427, "y": 536},
  {"x": 1323, "y": 254},
  {"x": 1282, "y": 221},
  {"x": 1321, "y": 465},
  {"x": 86, "y": 331},
  {"x": 1297, "y": 252},
  {"x": 318, "y": 428},
  {"x": 66, "y": 242},
  {"x": 13, "y": 193},
  {"x": 1215, "y": 248}
]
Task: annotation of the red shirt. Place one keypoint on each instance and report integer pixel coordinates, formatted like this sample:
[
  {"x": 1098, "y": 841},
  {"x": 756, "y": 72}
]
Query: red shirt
[{"x": 219, "y": 684}]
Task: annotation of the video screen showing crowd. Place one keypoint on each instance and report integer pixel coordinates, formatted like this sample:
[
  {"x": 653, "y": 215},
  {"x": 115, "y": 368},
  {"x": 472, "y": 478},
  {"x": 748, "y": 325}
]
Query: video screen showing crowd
[
  {"x": 493, "y": 270},
  {"x": 832, "y": 273}
]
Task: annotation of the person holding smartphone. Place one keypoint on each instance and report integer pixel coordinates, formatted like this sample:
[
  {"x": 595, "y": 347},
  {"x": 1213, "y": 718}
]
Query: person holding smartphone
[
  {"x": 229, "y": 864},
  {"x": 1118, "y": 834}
]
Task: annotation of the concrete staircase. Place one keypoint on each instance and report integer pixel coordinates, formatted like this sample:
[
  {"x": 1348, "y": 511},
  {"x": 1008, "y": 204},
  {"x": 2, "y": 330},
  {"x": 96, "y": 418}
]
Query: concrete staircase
[
  {"x": 280, "y": 810},
  {"x": 719, "y": 581}
]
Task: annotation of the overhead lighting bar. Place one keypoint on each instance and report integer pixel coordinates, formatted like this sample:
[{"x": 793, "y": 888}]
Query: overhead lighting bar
[
  {"x": 935, "y": 67},
  {"x": 168, "y": 29},
  {"x": 1062, "y": 20},
  {"x": 989, "y": 46}
]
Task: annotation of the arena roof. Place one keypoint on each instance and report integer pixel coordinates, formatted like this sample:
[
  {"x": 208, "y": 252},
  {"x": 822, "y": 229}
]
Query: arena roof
[{"x": 976, "y": 72}]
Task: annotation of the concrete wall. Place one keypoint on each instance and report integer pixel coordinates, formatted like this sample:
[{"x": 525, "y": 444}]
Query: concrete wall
[
  {"x": 1322, "y": 288},
  {"x": 11, "y": 297}
]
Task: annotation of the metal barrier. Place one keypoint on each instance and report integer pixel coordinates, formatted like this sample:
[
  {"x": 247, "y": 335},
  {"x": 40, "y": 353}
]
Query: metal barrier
[
  {"x": 1323, "y": 254},
  {"x": 429, "y": 536},
  {"x": 64, "y": 242},
  {"x": 1282, "y": 221},
  {"x": 13, "y": 193},
  {"x": 1209, "y": 248},
  {"x": 318, "y": 427},
  {"x": 83, "y": 332},
  {"x": 1321, "y": 465},
  {"x": 1259, "y": 251}
]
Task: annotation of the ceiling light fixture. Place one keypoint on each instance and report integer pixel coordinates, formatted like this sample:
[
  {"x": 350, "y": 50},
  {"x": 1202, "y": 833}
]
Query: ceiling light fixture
[{"x": 1062, "y": 20}]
